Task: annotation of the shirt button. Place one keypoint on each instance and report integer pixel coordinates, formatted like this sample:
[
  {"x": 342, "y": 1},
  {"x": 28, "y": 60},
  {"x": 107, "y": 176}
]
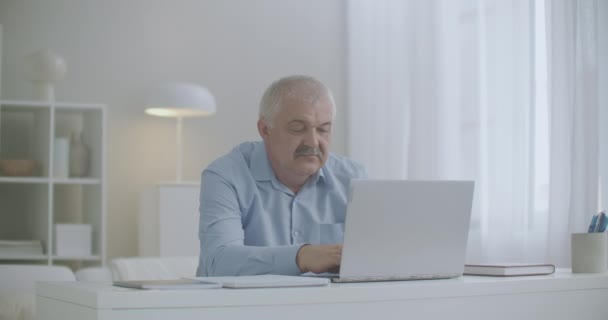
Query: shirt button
[{"x": 295, "y": 233}]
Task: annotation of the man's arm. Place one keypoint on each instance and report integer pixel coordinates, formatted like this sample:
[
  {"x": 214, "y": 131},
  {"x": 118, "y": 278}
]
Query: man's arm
[{"x": 223, "y": 252}]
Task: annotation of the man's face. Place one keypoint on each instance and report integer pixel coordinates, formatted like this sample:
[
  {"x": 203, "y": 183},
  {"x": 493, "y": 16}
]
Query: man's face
[{"x": 299, "y": 139}]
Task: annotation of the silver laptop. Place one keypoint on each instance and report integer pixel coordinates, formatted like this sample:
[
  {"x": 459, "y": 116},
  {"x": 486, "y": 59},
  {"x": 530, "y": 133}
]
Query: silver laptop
[{"x": 405, "y": 230}]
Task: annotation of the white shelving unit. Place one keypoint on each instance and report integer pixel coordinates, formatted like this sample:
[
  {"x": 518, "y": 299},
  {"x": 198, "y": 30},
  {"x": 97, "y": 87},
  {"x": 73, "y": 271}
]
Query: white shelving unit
[{"x": 31, "y": 206}]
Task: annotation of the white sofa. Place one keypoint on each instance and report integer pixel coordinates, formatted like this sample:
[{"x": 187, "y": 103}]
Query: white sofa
[
  {"x": 17, "y": 282},
  {"x": 153, "y": 268},
  {"x": 17, "y": 287}
]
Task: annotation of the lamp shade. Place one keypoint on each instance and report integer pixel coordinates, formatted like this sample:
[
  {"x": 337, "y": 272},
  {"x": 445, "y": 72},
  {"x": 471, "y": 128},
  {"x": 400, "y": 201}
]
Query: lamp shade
[{"x": 180, "y": 100}]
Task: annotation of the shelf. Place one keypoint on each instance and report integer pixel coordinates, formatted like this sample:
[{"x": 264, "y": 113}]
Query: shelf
[
  {"x": 77, "y": 181},
  {"x": 33, "y": 180},
  {"x": 39, "y": 180},
  {"x": 46, "y": 104},
  {"x": 23, "y": 257},
  {"x": 77, "y": 258}
]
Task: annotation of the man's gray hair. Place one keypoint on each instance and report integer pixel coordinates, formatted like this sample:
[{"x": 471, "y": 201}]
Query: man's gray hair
[{"x": 299, "y": 87}]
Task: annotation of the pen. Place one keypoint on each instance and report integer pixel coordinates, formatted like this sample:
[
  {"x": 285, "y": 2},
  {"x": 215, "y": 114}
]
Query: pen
[
  {"x": 603, "y": 222},
  {"x": 593, "y": 223},
  {"x": 601, "y": 218}
]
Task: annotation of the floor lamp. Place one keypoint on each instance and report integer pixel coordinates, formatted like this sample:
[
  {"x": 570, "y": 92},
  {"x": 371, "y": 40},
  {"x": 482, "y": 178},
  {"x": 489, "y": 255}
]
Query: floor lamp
[{"x": 180, "y": 100}]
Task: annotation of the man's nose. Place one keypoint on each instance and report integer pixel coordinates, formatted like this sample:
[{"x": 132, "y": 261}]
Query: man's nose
[{"x": 312, "y": 138}]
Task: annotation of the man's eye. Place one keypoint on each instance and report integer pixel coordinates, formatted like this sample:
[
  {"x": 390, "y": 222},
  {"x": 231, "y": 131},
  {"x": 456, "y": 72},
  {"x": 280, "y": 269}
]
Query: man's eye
[{"x": 324, "y": 129}]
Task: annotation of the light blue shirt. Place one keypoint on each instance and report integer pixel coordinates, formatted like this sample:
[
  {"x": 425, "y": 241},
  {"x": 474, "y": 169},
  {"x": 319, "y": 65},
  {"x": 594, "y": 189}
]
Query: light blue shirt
[{"x": 250, "y": 223}]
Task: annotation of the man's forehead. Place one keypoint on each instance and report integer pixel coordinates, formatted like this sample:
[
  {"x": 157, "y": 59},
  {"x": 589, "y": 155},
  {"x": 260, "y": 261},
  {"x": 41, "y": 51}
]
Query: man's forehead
[
  {"x": 308, "y": 122},
  {"x": 304, "y": 106},
  {"x": 308, "y": 115}
]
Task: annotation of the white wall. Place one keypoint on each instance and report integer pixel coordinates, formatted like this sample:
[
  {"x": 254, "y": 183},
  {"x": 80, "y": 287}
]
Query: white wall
[{"x": 117, "y": 49}]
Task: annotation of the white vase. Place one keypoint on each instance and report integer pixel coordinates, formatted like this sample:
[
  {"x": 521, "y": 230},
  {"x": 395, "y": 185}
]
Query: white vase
[
  {"x": 79, "y": 156},
  {"x": 61, "y": 156}
]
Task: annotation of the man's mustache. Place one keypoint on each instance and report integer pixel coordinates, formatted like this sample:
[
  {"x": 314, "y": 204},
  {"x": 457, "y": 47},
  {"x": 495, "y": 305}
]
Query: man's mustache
[{"x": 308, "y": 151}]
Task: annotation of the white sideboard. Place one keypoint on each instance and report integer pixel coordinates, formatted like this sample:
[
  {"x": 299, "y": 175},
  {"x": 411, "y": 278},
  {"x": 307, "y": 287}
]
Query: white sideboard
[
  {"x": 553, "y": 297},
  {"x": 168, "y": 220}
]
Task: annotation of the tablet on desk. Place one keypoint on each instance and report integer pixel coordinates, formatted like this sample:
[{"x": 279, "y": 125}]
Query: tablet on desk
[{"x": 168, "y": 284}]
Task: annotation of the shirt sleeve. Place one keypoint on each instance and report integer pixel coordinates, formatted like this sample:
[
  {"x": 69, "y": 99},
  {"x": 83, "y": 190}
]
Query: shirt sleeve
[
  {"x": 222, "y": 249},
  {"x": 361, "y": 172}
]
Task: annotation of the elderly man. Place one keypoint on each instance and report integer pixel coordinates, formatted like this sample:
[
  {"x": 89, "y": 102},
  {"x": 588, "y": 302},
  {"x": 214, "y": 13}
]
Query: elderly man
[{"x": 277, "y": 206}]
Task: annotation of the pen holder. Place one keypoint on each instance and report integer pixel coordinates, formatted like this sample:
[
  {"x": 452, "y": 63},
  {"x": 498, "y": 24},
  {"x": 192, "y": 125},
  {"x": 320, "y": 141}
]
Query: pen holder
[{"x": 589, "y": 252}]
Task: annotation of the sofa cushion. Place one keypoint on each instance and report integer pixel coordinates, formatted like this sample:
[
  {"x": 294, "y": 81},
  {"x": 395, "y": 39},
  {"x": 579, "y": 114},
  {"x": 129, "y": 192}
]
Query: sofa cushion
[{"x": 153, "y": 268}]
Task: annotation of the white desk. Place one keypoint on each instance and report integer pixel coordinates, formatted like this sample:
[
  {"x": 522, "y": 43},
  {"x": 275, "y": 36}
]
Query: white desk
[{"x": 559, "y": 296}]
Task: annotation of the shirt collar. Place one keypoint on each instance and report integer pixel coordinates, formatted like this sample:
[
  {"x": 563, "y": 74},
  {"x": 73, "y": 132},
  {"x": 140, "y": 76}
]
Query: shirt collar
[{"x": 319, "y": 175}]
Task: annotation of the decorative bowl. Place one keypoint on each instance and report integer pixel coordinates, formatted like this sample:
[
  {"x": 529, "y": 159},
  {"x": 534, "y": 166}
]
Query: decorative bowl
[{"x": 18, "y": 167}]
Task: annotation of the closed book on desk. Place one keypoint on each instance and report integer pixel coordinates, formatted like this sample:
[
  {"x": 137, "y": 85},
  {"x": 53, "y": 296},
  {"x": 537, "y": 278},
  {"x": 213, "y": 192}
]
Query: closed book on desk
[{"x": 508, "y": 269}]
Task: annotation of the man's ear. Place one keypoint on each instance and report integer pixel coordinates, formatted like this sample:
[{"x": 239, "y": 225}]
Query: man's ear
[{"x": 263, "y": 128}]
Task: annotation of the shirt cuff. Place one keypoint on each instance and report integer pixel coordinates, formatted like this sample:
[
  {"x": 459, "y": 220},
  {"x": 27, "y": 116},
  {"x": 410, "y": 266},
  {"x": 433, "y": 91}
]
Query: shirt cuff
[{"x": 285, "y": 260}]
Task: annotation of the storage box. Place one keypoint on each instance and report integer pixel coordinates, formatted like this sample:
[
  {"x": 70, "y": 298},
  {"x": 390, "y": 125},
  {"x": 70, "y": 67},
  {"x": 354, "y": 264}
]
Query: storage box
[{"x": 73, "y": 239}]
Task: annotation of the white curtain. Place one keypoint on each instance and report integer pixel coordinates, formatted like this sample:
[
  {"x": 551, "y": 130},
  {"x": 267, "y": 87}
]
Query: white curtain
[
  {"x": 574, "y": 35},
  {"x": 445, "y": 89}
]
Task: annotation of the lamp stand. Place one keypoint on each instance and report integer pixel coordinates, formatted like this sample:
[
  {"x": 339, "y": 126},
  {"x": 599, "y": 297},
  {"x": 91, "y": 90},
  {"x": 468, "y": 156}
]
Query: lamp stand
[{"x": 178, "y": 143}]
